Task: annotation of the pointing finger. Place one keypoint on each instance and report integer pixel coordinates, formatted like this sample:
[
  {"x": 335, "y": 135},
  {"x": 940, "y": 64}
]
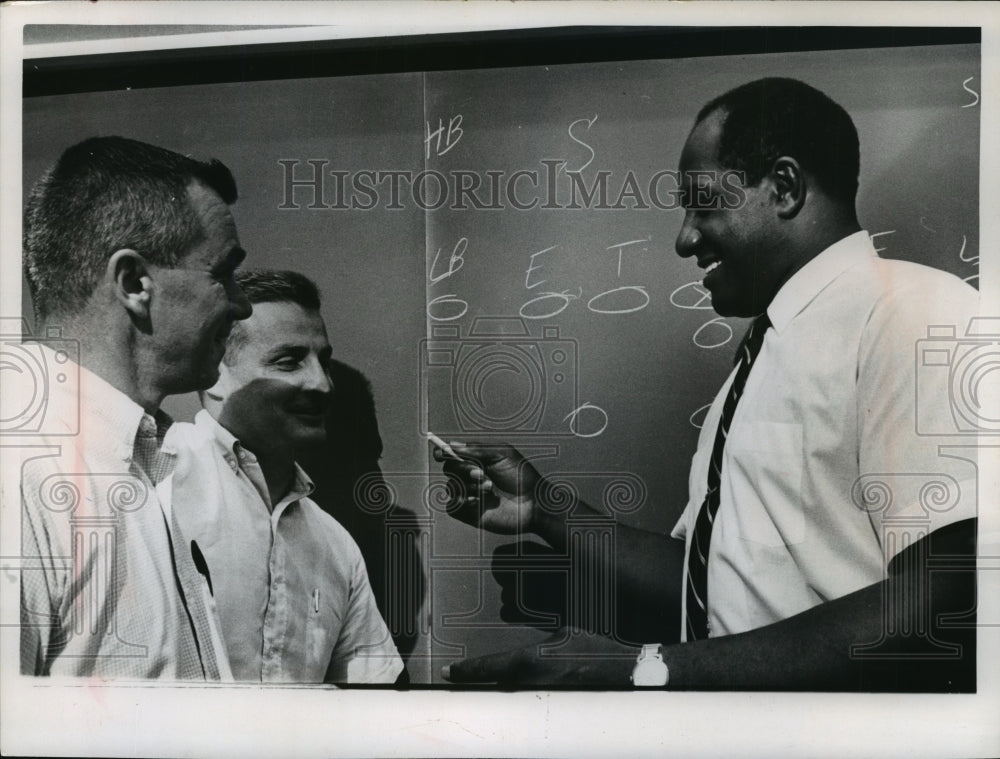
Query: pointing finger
[{"x": 491, "y": 668}]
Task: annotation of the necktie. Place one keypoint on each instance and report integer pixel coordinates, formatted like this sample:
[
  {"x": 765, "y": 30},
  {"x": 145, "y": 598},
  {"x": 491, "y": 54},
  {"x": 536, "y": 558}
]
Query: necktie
[
  {"x": 151, "y": 459},
  {"x": 696, "y": 588}
]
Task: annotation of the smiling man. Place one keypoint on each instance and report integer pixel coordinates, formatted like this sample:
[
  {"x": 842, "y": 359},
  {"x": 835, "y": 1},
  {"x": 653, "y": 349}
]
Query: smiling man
[
  {"x": 789, "y": 571},
  {"x": 289, "y": 583},
  {"x": 129, "y": 253}
]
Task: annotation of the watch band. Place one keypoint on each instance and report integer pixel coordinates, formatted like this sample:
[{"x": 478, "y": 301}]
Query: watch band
[{"x": 650, "y": 670}]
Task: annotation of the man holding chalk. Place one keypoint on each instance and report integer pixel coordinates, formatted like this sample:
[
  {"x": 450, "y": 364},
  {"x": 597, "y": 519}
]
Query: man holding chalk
[
  {"x": 789, "y": 571},
  {"x": 292, "y": 591}
]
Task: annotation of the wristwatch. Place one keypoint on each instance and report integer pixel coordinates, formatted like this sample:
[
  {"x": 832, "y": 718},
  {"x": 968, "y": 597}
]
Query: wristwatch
[{"x": 650, "y": 670}]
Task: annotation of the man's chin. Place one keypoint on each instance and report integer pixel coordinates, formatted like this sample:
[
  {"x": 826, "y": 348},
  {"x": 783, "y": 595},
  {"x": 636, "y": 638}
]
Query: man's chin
[
  {"x": 309, "y": 430},
  {"x": 195, "y": 382},
  {"x": 723, "y": 308},
  {"x": 208, "y": 379},
  {"x": 730, "y": 307}
]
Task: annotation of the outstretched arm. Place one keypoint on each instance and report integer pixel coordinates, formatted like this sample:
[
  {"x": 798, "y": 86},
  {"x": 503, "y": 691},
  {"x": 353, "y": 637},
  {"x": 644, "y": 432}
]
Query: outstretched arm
[
  {"x": 497, "y": 489},
  {"x": 892, "y": 635}
]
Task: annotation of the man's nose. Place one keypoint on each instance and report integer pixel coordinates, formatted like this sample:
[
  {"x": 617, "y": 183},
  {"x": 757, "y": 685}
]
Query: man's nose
[
  {"x": 317, "y": 378},
  {"x": 689, "y": 237},
  {"x": 239, "y": 305}
]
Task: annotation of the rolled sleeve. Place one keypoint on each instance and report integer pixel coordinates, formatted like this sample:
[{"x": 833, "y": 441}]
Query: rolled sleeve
[
  {"x": 917, "y": 467},
  {"x": 365, "y": 652}
]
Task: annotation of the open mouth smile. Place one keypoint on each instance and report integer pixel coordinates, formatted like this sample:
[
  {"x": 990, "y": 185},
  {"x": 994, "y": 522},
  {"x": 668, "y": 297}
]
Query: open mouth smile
[{"x": 709, "y": 266}]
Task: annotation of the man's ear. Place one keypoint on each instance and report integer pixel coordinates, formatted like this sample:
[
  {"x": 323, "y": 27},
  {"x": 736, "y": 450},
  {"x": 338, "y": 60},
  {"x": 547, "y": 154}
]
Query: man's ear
[
  {"x": 789, "y": 186},
  {"x": 133, "y": 285}
]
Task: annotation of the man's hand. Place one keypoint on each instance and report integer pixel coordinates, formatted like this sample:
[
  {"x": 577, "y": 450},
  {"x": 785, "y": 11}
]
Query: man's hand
[
  {"x": 582, "y": 659},
  {"x": 497, "y": 487}
]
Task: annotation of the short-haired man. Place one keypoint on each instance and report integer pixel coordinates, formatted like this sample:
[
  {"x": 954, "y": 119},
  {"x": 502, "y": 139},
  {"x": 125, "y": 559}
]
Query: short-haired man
[
  {"x": 129, "y": 252},
  {"x": 791, "y": 575},
  {"x": 290, "y": 584}
]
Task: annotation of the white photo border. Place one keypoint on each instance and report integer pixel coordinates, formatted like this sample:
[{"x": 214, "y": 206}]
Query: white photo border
[{"x": 85, "y": 718}]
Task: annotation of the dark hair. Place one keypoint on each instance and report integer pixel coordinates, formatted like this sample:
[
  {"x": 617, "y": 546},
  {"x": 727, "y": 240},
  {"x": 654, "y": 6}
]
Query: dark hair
[
  {"x": 768, "y": 118},
  {"x": 102, "y": 195},
  {"x": 270, "y": 286}
]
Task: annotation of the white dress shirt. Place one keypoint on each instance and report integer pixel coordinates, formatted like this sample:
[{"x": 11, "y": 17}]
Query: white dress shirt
[
  {"x": 290, "y": 584},
  {"x": 832, "y": 462},
  {"x": 100, "y": 594}
]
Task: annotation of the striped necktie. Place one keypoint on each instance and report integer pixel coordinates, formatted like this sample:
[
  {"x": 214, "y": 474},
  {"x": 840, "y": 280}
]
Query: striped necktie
[
  {"x": 149, "y": 456},
  {"x": 696, "y": 588}
]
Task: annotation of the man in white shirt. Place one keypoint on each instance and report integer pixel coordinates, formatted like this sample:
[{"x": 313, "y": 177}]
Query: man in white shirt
[
  {"x": 289, "y": 582},
  {"x": 816, "y": 498},
  {"x": 129, "y": 252}
]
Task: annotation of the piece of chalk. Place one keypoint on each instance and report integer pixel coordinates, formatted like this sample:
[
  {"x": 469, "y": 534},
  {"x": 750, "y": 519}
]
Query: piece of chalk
[{"x": 443, "y": 446}]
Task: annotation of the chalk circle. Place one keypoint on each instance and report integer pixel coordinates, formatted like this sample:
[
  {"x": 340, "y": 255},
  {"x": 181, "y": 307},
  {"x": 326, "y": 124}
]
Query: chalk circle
[
  {"x": 709, "y": 343},
  {"x": 697, "y": 418},
  {"x": 574, "y": 425},
  {"x": 626, "y": 307}
]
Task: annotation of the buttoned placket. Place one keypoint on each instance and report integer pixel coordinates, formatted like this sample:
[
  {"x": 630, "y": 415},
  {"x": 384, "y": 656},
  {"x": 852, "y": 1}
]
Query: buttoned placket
[
  {"x": 276, "y": 614},
  {"x": 276, "y": 619}
]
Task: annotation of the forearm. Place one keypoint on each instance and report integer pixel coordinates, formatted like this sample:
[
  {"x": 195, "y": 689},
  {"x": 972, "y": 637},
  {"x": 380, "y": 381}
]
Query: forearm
[
  {"x": 647, "y": 568},
  {"x": 824, "y": 648},
  {"x": 809, "y": 651}
]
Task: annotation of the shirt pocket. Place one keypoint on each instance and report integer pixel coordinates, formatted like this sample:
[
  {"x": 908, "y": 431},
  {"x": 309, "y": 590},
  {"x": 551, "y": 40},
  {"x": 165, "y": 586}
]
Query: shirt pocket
[
  {"x": 767, "y": 460},
  {"x": 322, "y": 630}
]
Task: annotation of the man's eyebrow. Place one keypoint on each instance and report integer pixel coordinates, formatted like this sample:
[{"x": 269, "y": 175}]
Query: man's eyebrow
[{"x": 287, "y": 348}]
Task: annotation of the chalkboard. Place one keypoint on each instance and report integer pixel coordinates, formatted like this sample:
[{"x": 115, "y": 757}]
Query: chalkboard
[
  {"x": 575, "y": 333},
  {"x": 368, "y": 265},
  {"x": 609, "y": 352}
]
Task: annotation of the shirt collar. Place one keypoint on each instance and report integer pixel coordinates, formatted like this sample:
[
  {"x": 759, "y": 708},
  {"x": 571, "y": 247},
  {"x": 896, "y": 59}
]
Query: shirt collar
[
  {"x": 803, "y": 286},
  {"x": 302, "y": 487},
  {"x": 239, "y": 456}
]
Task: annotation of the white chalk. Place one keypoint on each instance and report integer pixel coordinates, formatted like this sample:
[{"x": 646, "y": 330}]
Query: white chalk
[{"x": 449, "y": 451}]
